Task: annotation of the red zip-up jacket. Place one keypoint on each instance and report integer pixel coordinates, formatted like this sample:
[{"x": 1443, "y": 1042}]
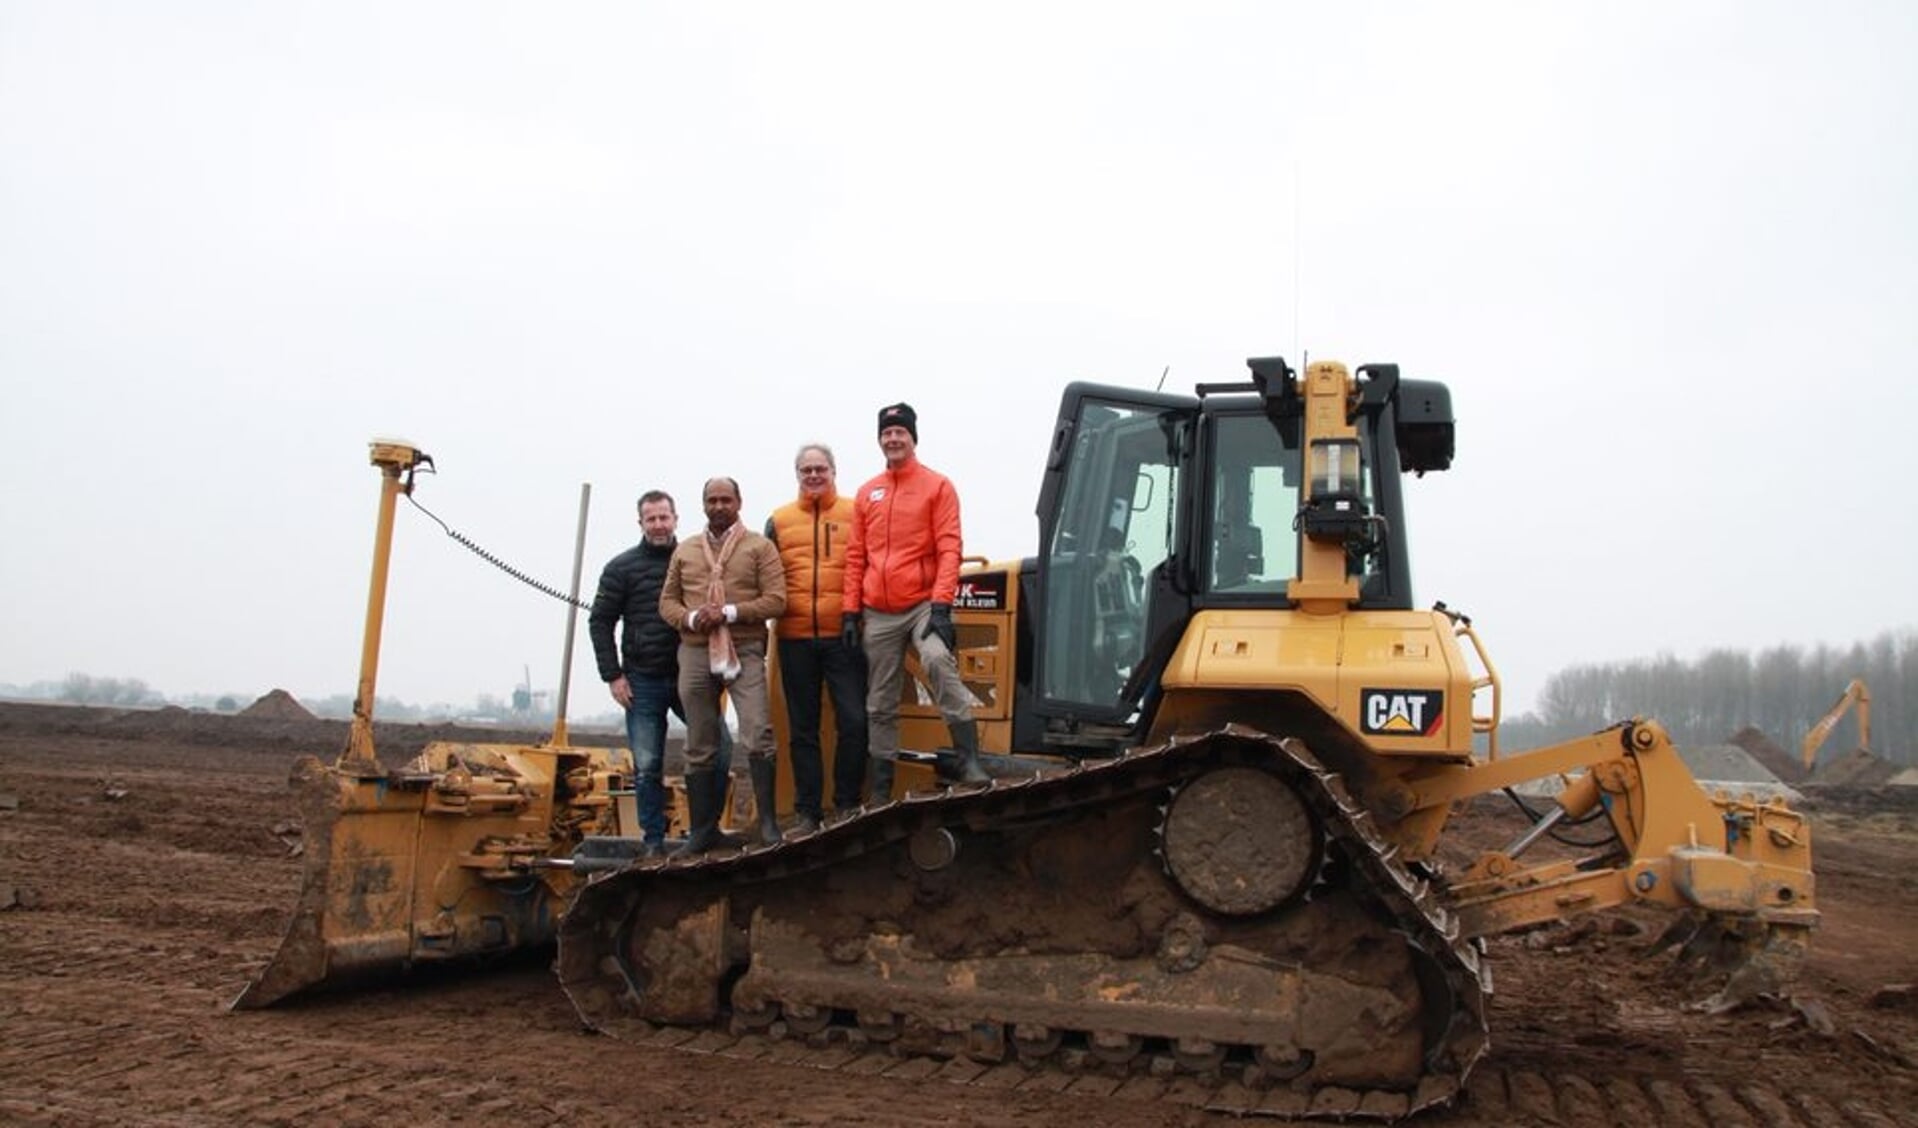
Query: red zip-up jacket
[{"x": 906, "y": 545}]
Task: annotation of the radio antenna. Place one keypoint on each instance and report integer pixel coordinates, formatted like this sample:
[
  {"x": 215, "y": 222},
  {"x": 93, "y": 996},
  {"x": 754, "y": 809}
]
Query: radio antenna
[
  {"x": 1162, "y": 376},
  {"x": 1297, "y": 252}
]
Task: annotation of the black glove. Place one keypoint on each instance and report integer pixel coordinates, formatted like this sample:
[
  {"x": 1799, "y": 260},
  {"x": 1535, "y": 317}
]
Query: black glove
[
  {"x": 941, "y": 624},
  {"x": 849, "y": 630}
]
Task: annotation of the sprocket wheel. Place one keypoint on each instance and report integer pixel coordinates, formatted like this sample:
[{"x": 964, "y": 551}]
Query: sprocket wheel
[{"x": 1240, "y": 841}]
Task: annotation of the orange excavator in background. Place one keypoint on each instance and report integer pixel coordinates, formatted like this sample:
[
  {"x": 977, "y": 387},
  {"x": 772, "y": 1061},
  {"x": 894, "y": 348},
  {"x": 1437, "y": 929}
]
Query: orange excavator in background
[
  {"x": 1225, "y": 745},
  {"x": 1855, "y": 696}
]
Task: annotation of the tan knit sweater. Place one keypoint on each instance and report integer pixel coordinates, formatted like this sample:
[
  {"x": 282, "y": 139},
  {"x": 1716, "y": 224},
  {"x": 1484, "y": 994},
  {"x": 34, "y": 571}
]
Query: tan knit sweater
[{"x": 755, "y": 586}]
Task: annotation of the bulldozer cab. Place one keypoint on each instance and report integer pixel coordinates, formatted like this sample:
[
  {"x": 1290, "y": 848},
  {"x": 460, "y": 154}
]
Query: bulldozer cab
[
  {"x": 1155, "y": 506},
  {"x": 1111, "y": 539}
]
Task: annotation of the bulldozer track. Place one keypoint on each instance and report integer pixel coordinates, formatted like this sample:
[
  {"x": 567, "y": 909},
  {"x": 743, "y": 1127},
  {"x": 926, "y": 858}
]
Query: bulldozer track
[
  {"x": 1492, "y": 1095},
  {"x": 261, "y": 1068},
  {"x": 599, "y": 987}
]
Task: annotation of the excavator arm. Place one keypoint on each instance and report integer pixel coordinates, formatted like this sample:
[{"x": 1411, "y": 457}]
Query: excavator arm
[{"x": 1855, "y": 695}]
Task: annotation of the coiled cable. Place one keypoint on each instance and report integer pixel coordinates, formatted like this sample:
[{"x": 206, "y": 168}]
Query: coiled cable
[{"x": 496, "y": 562}]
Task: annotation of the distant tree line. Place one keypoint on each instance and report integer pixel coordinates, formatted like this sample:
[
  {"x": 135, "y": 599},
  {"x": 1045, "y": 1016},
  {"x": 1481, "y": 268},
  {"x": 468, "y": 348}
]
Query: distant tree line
[
  {"x": 85, "y": 689},
  {"x": 88, "y": 689},
  {"x": 1782, "y": 691}
]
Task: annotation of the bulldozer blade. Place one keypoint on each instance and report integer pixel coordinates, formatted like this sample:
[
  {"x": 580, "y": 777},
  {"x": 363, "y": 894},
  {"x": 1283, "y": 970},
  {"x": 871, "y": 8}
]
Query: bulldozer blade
[
  {"x": 301, "y": 959},
  {"x": 450, "y": 858}
]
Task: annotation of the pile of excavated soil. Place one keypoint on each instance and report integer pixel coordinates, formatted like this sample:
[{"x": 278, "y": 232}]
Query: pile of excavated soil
[
  {"x": 1767, "y": 752},
  {"x": 1857, "y": 768},
  {"x": 1729, "y": 768},
  {"x": 279, "y": 705}
]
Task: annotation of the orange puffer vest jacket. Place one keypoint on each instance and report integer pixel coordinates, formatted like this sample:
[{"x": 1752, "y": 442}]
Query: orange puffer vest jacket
[{"x": 812, "y": 534}]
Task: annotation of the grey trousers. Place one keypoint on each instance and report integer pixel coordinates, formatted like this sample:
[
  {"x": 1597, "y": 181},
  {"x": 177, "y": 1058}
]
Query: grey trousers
[
  {"x": 699, "y": 693},
  {"x": 886, "y": 638}
]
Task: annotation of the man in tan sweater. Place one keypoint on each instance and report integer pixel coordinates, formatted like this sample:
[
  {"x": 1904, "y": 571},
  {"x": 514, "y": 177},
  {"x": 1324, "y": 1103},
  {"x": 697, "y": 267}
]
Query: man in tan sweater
[{"x": 722, "y": 586}]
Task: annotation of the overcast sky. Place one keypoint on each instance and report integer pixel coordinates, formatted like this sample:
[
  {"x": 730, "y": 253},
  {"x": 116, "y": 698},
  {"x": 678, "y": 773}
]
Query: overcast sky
[{"x": 1665, "y": 254}]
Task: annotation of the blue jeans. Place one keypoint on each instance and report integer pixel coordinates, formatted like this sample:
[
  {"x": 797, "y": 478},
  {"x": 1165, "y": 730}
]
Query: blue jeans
[
  {"x": 646, "y": 736},
  {"x": 806, "y": 666}
]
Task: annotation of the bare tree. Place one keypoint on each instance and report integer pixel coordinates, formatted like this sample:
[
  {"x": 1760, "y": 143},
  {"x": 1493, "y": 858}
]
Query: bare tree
[{"x": 1782, "y": 692}]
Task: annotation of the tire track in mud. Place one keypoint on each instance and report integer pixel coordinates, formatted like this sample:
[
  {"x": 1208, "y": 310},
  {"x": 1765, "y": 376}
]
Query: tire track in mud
[
  {"x": 109, "y": 1040},
  {"x": 62, "y": 948},
  {"x": 1493, "y": 1095},
  {"x": 197, "y": 1065},
  {"x": 117, "y": 1040},
  {"x": 1525, "y": 1097},
  {"x": 105, "y": 1033}
]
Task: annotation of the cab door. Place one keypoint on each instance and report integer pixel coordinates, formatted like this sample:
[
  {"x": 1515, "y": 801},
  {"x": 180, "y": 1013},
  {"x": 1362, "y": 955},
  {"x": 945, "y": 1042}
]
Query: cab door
[{"x": 1112, "y": 513}]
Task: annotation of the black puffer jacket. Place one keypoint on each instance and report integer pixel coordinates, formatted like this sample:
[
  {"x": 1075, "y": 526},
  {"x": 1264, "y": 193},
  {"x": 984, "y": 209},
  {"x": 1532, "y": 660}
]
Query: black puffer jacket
[{"x": 629, "y": 590}]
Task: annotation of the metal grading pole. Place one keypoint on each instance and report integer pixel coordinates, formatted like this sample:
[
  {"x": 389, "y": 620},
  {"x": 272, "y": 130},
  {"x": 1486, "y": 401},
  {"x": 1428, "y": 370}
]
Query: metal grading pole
[
  {"x": 572, "y": 619},
  {"x": 394, "y": 458}
]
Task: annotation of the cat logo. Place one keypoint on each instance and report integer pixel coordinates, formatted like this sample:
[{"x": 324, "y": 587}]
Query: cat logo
[{"x": 1401, "y": 712}]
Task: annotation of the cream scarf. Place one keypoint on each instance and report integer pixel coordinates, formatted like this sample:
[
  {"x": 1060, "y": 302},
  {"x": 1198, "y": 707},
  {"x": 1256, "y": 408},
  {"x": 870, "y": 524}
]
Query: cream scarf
[{"x": 724, "y": 656}]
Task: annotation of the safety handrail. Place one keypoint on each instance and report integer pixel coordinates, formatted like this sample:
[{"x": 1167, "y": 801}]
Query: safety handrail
[{"x": 1462, "y": 626}]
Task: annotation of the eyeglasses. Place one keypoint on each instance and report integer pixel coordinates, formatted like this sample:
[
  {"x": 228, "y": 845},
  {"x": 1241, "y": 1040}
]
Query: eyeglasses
[{"x": 814, "y": 471}]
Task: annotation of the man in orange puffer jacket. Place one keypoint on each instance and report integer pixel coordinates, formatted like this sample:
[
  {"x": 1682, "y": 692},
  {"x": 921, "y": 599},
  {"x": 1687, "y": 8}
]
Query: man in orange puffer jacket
[
  {"x": 812, "y": 534},
  {"x": 902, "y": 571}
]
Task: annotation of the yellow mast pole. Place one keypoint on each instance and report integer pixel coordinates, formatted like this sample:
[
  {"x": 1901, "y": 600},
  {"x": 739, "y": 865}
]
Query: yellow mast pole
[{"x": 394, "y": 458}]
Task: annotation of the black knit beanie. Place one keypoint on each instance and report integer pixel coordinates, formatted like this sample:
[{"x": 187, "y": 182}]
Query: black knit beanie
[{"x": 900, "y": 415}]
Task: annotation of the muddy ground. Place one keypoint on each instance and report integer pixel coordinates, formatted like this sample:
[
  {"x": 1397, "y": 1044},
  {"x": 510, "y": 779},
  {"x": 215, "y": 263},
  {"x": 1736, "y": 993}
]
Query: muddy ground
[{"x": 145, "y": 860}]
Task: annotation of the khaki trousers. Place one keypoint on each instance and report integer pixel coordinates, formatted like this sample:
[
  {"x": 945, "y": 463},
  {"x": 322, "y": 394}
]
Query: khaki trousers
[
  {"x": 886, "y": 638},
  {"x": 699, "y": 694}
]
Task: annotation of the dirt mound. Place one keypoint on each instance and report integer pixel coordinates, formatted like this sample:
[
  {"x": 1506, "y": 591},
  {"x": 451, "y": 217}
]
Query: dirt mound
[
  {"x": 140, "y": 723},
  {"x": 1857, "y": 768},
  {"x": 278, "y": 705},
  {"x": 1731, "y": 769},
  {"x": 1767, "y": 752}
]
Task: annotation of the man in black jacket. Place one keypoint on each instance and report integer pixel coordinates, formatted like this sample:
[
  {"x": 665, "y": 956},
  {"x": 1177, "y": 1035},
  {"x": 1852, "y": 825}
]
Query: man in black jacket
[{"x": 643, "y": 673}]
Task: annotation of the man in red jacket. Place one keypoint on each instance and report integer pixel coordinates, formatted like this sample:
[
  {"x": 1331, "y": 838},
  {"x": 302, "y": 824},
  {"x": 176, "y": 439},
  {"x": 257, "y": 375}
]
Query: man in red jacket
[{"x": 902, "y": 571}]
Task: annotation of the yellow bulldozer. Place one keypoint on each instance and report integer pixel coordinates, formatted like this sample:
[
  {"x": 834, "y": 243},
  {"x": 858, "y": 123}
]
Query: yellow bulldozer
[{"x": 1224, "y": 747}]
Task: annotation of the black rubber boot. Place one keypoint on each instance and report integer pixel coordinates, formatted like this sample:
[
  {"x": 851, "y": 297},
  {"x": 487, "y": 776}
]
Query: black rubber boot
[
  {"x": 764, "y": 800},
  {"x": 965, "y": 738},
  {"x": 704, "y": 792},
  {"x": 881, "y": 780},
  {"x": 724, "y": 784}
]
